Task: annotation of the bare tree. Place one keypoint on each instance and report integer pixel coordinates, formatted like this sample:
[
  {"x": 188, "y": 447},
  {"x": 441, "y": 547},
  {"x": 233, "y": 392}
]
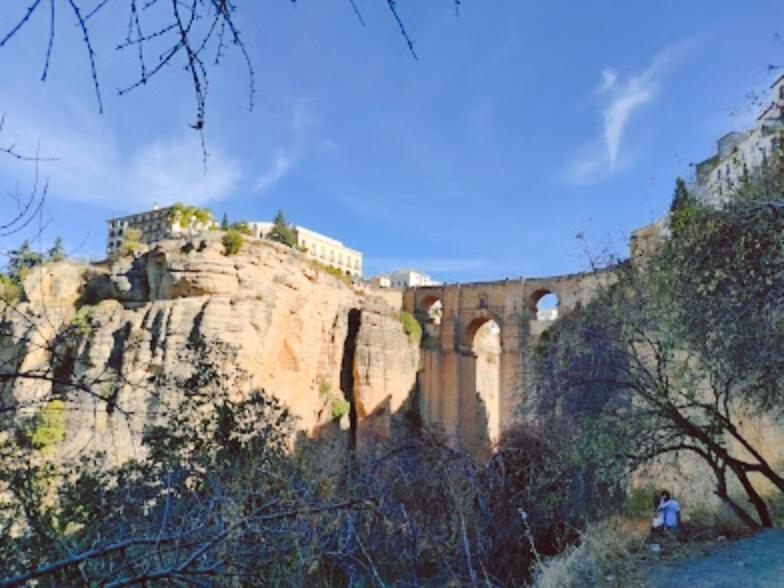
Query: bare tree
[{"x": 196, "y": 34}]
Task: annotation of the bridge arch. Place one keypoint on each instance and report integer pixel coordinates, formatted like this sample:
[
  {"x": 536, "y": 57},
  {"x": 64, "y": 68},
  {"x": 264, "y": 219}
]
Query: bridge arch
[{"x": 544, "y": 304}]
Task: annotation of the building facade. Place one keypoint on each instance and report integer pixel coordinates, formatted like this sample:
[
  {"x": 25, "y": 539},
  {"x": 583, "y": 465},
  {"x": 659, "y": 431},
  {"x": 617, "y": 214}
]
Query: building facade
[
  {"x": 409, "y": 278},
  {"x": 739, "y": 154},
  {"x": 154, "y": 225},
  {"x": 319, "y": 248}
]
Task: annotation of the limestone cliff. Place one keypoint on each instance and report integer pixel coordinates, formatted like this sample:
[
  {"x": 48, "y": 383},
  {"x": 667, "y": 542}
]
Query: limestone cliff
[{"x": 295, "y": 331}]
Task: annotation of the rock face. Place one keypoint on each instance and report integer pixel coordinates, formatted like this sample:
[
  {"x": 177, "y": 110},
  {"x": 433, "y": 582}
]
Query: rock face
[{"x": 295, "y": 331}]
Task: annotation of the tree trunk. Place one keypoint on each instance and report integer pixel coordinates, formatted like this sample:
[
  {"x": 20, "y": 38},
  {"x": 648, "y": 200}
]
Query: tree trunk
[{"x": 754, "y": 497}]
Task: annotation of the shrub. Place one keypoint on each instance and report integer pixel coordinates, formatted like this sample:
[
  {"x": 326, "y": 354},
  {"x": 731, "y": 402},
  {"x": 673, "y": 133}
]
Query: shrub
[
  {"x": 184, "y": 215},
  {"x": 332, "y": 271},
  {"x": 603, "y": 558},
  {"x": 411, "y": 327},
  {"x": 340, "y": 408},
  {"x": 9, "y": 290},
  {"x": 132, "y": 240},
  {"x": 232, "y": 242},
  {"x": 49, "y": 425},
  {"x": 240, "y": 227}
]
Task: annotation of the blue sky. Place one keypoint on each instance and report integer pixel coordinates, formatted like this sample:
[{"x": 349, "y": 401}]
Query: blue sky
[{"x": 521, "y": 126}]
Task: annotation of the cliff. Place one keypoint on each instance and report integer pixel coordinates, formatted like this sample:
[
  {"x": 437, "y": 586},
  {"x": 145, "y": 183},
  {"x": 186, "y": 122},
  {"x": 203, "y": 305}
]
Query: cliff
[{"x": 103, "y": 337}]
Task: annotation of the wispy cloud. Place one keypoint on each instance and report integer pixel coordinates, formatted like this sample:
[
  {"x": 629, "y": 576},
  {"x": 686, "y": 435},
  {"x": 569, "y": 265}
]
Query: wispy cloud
[
  {"x": 285, "y": 158},
  {"x": 281, "y": 164},
  {"x": 91, "y": 167},
  {"x": 621, "y": 98}
]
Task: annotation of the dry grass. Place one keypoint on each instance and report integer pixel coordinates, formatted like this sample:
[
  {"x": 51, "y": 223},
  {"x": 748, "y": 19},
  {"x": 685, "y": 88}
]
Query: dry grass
[{"x": 605, "y": 556}]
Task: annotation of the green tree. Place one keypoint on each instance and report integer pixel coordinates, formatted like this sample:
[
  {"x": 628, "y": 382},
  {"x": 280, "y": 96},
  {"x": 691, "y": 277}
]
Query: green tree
[
  {"x": 21, "y": 260},
  {"x": 225, "y": 222},
  {"x": 682, "y": 208},
  {"x": 282, "y": 232},
  {"x": 679, "y": 352},
  {"x": 57, "y": 251}
]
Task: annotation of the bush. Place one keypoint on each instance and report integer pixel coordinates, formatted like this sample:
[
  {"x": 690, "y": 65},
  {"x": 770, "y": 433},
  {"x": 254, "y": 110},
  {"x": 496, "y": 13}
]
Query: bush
[
  {"x": 603, "y": 557},
  {"x": 49, "y": 425},
  {"x": 132, "y": 240},
  {"x": 340, "y": 408},
  {"x": 184, "y": 215},
  {"x": 232, "y": 242},
  {"x": 411, "y": 327},
  {"x": 332, "y": 271},
  {"x": 10, "y": 291},
  {"x": 240, "y": 227}
]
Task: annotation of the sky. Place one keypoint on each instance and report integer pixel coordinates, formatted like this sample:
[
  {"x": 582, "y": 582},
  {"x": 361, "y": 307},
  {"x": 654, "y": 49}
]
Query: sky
[{"x": 527, "y": 139}]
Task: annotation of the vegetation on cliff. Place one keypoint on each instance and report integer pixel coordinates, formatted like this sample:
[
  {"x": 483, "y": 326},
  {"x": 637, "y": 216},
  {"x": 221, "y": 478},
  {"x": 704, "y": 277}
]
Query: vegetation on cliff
[{"x": 686, "y": 345}]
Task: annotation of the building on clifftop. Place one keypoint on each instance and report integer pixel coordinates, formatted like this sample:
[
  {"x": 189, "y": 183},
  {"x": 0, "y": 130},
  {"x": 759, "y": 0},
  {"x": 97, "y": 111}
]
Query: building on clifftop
[
  {"x": 318, "y": 247},
  {"x": 740, "y": 153},
  {"x": 158, "y": 223}
]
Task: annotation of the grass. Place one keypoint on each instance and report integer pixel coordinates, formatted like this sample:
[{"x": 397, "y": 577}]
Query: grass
[{"x": 604, "y": 556}]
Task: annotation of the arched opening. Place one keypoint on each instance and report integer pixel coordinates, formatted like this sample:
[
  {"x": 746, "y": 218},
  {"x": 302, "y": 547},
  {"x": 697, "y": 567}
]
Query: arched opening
[
  {"x": 544, "y": 305},
  {"x": 485, "y": 340},
  {"x": 431, "y": 310}
]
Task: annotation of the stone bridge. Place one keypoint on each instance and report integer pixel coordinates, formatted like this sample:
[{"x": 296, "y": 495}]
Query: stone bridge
[{"x": 472, "y": 389}]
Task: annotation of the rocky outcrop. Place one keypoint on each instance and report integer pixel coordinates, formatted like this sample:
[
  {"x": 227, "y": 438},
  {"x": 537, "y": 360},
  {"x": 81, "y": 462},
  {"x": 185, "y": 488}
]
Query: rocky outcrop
[{"x": 119, "y": 327}]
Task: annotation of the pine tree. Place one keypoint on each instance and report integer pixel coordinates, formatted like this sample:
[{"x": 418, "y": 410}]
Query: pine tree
[
  {"x": 225, "y": 222},
  {"x": 21, "y": 260},
  {"x": 57, "y": 252},
  {"x": 681, "y": 198},
  {"x": 682, "y": 209},
  {"x": 282, "y": 232}
]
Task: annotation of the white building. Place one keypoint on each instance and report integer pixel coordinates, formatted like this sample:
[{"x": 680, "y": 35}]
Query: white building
[
  {"x": 409, "y": 278},
  {"x": 156, "y": 224},
  {"x": 318, "y": 247},
  {"x": 741, "y": 153}
]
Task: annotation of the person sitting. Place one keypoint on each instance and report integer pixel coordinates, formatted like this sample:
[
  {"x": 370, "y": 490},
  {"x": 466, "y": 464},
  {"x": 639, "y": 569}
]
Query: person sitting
[{"x": 669, "y": 513}]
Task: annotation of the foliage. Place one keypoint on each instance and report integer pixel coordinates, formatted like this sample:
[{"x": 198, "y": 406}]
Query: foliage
[
  {"x": 185, "y": 215},
  {"x": 240, "y": 227},
  {"x": 411, "y": 327},
  {"x": 132, "y": 241},
  {"x": 57, "y": 251},
  {"x": 282, "y": 232},
  {"x": 683, "y": 207},
  {"x": 667, "y": 357},
  {"x": 603, "y": 557},
  {"x": 339, "y": 408},
  {"x": 21, "y": 261},
  {"x": 49, "y": 427},
  {"x": 333, "y": 271},
  {"x": 232, "y": 242},
  {"x": 10, "y": 291},
  {"x": 224, "y": 226}
]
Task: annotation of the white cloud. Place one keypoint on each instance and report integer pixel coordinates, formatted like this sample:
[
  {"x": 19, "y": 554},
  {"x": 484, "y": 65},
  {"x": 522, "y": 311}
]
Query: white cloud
[
  {"x": 609, "y": 77},
  {"x": 621, "y": 100},
  {"x": 280, "y": 166},
  {"x": 170, "y": 170},
  {"x": 284, "y": 159},
  {"x": 91, "y": 166}
]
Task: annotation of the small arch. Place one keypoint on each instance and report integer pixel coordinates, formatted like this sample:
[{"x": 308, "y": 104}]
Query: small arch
[
  {"x": 544, "y": 305},
  {"x": 431, "y": 309}
]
